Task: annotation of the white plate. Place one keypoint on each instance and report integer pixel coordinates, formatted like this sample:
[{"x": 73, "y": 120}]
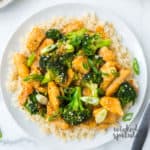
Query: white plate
[
  {"x": 129, "y": 40},
  {"x": 4, "y": 3}
]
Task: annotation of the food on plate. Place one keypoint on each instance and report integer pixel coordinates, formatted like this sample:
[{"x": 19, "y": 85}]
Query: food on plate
[{"x": 75, "y": 77}]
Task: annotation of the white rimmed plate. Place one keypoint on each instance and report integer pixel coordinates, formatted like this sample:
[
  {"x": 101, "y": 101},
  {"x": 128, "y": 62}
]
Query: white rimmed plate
[{"x": 73, "y": 9}]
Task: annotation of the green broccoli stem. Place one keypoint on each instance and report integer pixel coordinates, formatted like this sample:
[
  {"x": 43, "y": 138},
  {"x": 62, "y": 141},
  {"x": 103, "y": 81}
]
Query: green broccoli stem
[
  {"x": 76, "y": 103},
  {"x": 105, "y": 42}
]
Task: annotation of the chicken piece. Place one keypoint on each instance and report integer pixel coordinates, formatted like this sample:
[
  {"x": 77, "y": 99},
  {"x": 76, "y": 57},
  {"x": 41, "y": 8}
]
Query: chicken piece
[
  {"x": 53, "y": 93},
  {"x": 26, "y": 91},
  {"x": 35, "y": 37},
  {"x": 35, "y": 66},
  {"x": 78, "y": 64},
  {"x": 50, "y": 109},
  {"x": 108, "y": 70},
  {"x": 106, "y": 54},
  {"x": 36, "y": 85},
  {"x": 111, "y": 118},
  {"x": 35, "y": 69},
  {"x": 23, "y": 70},
  {"x": 42, "y": 89},
  {"x": 100, "y": 114},
  {"x": 20, "y": 62},
  {"x": 74, "y": 25},
  {"x": 113, "y": 64},
  {"x": 124, "y": 74},
  {"x": 45, "y": 43},
  {"x": 60, "y": 123},
  {"x": 134, "y": 84},
  {"x": 112, "y": 104},
  {"x": 19, "y": 59},
  {"x": 86, "y": 92},
  {"x": 103, "y": 126},
  {"x": 89, "y": 124},
  {"x": 100, "y": 29},
  {"x": 70, "y": 74}
]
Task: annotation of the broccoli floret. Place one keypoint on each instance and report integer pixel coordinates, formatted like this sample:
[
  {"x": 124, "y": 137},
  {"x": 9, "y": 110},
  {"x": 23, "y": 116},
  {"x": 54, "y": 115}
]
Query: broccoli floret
[
  {"x": 59, "y": 70},
  {"x": 56, "y": 72},
  {"x": 64, "y": 42},
  {"x": 75, "y": 38},
  {"x": 95, "y": 62},
  {"x": 93, "y": 42},
  {"x": 67, "y": 96},
  {"x": 69, "y": 91},
  {"x": 66, "y": 59},
  {"x": 55, "y": 68},
  {"x": 43, "y": 62},
  {"x": 31, "y": 104},
  {"x": 49, "y": 76},
  {"x": 69, "y": 48},
  {"x": 75, "y": 113},
  {"x": 126, "y": 93},
  {"x": 53, "y": 34},
  {"x": 42, "y": 110},
  {"x": 89, "y": 43},
  {"x": 94, "y": 75}
]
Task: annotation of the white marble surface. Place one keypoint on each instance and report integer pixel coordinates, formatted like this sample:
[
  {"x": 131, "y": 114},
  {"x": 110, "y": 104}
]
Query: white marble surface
[{"x": 135, "y": 13}]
